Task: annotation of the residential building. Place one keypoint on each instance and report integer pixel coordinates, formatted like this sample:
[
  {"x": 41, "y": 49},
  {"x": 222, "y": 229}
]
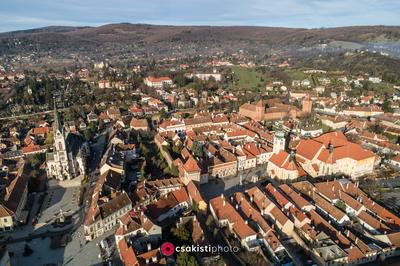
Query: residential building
[{"x": 159, "y": 83}]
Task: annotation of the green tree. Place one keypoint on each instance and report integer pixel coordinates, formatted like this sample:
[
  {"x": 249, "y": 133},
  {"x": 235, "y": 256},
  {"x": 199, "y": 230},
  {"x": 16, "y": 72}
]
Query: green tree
[
  {"x": 195, "y": 206},
  {"x": 49, "y": 138},
  {"x": 174, "y": 170},
  {"x": 184, "y": 259},
  {"x": 93, "y": 127},
  {"x": 163, "y": 114},
  {"x": 180, "y": 80},
  {"x": 376, "y": 129},
  {"x": 88, "y": 134},
  {"x": 341, "y": 205},
  {"x": 386, "y": 107},
  {"x": 178, "y": 148},
  {"x": 180, "y": 233},
  {"x": 197, "y": 149}
]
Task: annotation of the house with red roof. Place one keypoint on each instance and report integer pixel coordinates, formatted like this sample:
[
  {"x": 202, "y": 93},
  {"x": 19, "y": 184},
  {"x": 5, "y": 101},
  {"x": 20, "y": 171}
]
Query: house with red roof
[
  {"x": 220, "y": 161},
  {"x": 127, "y": 254},
  {"x": 261, "y": 152},
  {"x": 332, "y": 153},
  {"x": 323, "y": 205},
  {"x": 395, "y": 161},
  {"x": 240, "y": 135},
  {"x": 195, "y": 196},
  {"x": 39, "y": 131},
  {"x": 137, "y": 225},
  {"x": 171, "y": 125},
  {"x": 189, "y": 169},
  {"x": 270, "y": 211},
  {"x": 130, "y": 256},
  {"x": 226, "y": 216},
  {"x": 296, "y": 198},
  {"x": 33, "y": 149},
  {"x": 169, "y": 205},
  {"x": 158, "y": 83},
  {"x": 281, "y": 200},
  {"x": 269, "y": 237},
  {"x": 104, "y": 84},
  {"x": 284, "y": 166},
  {"x": 107, "y": 204},
  {"x": 251, "y": 156},
  {"x": 14, "y": 199},
  {"x": 363, "y": 111}
]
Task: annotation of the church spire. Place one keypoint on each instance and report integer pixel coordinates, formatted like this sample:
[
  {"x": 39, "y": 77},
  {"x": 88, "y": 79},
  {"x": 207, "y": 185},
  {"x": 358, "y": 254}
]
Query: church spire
[{"x": 56, "y": 120}]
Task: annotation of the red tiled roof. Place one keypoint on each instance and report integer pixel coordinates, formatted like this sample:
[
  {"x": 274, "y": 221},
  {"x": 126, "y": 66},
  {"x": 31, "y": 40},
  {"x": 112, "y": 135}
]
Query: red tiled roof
[
  {"x": 282, "y": 160},
  {"x": 329, "y": 229},
  {"x": 371, "y": 221},
  {"x": 336, "y": 138},
  {"x": 252, "y": 149},
  {"x": 326, "y": 189},
  {"x": 160, "y": 79},
  {"x": 5, "y": 212},
  {"x": 259, "y": 198},
  {"x": 309, "y": 148},
  {"x": 168, "y": 123},
  {"x": 219, "y": 119},
  {"x": 191, "y": 165},
  {"x": 224, "y": 210},
  {"x": 350, "y": 201},
  {"x": 241, "y": 133},
  {"x": 354, "y": 254},
  {"x": 298, "y": 200},
  {"x": 40, "y": 130},
  {"x": 128, "y": 256},
  {"x": 262, "y": 202},
  {"x": 31, "y": 148},
  {"x": 280, "y": 199}
]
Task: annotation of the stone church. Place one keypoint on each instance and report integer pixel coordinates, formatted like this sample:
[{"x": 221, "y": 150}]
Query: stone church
[{"x": 69, "y": 155}]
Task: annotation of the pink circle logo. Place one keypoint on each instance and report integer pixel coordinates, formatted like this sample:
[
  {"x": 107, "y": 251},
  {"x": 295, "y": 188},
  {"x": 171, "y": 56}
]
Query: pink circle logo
[{"x": 167, "y": 248}]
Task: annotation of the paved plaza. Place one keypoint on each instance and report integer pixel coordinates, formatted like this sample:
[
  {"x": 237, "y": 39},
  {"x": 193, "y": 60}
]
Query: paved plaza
[{"x": 232, "y": 184}]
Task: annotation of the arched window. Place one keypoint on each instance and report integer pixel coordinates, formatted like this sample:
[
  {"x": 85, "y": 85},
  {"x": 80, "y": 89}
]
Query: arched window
[{"x": 60, "y": 146}]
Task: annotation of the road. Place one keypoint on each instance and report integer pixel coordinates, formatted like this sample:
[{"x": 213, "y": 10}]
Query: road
[{"x": 15, "y": 117}]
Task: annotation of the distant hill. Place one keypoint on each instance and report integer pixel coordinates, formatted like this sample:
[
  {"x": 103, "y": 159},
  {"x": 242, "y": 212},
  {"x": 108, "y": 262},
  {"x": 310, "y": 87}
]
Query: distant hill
[{"x": 141, "y": 39}]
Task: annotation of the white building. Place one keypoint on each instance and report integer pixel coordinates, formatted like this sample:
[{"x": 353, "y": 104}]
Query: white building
[
  {"x": 279, "y": 142},
  {"x": 160, "y": 82},
  {"x": 66, "y": 162}
]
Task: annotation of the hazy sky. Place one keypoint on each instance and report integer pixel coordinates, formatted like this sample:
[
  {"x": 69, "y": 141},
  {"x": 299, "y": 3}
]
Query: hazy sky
[{"x": 25, "y": 14}]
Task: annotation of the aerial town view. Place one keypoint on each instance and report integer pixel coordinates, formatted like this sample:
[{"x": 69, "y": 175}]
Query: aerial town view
[{"x": 196, "y": 133}]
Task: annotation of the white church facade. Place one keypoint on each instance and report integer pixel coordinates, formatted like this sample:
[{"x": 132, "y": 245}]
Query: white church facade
[{"x": 68, "y": 158}]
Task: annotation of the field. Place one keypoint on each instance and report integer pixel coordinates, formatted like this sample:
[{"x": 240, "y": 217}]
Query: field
[
  {"x": 247, "y": 78},
  {"x": 297, "y": 74}
]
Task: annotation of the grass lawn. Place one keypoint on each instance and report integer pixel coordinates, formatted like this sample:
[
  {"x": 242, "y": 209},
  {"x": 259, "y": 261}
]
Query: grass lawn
[
  {"x": 247, "y": 78},
  {"x": 297, "y": 74}
]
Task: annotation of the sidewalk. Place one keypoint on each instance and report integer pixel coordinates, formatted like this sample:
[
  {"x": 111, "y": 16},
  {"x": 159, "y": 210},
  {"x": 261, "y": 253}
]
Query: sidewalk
[{"x": 75, "y": 182}]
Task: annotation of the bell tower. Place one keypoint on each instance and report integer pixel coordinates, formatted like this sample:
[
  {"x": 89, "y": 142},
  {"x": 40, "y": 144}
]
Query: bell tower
[
  {"x": 306, "y": 105},
  {"x": 260, "y": 108},
  {"x": 279, "y": 142}
]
